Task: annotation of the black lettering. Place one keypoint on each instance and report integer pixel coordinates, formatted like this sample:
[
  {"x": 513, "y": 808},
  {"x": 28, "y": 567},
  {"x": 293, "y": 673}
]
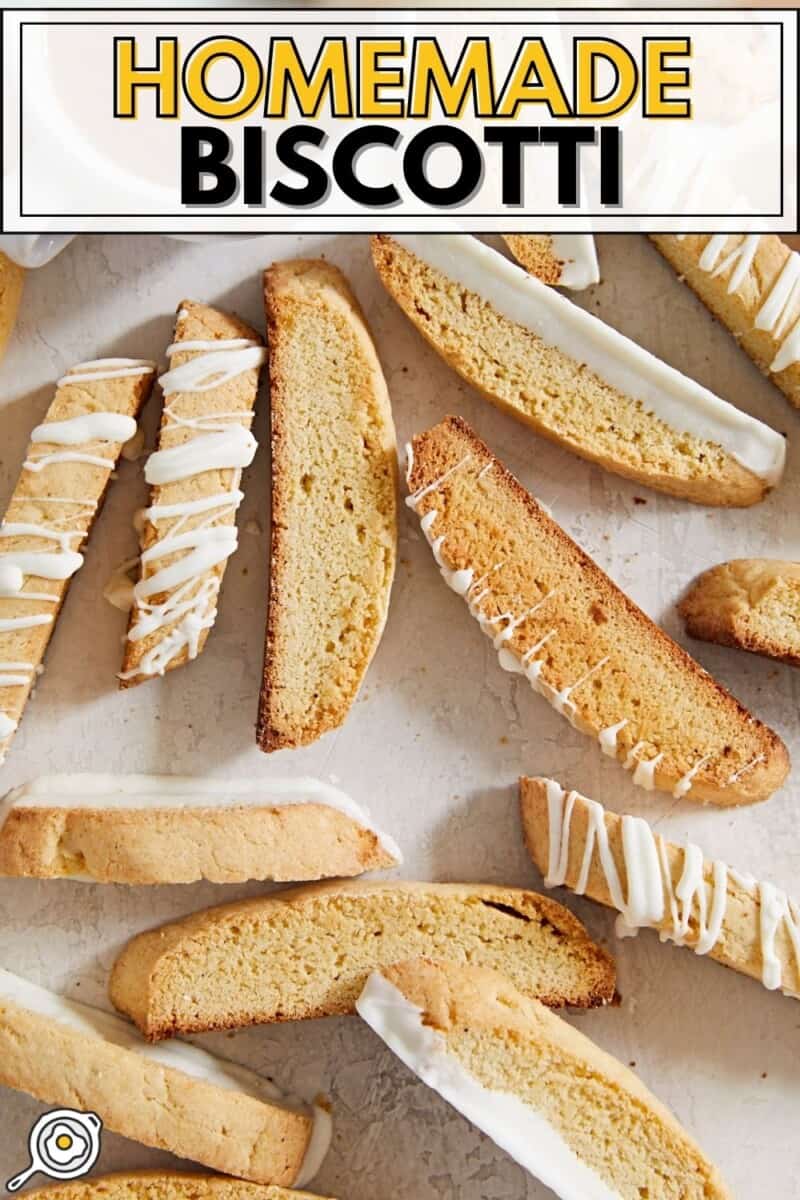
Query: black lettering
[
  {"x": 414, "y": 164},
  {"x": 205, "y": 152},
  {"x": 512, "y": 142},
  {"x": 568, "y": 139},
  {"x": 344, "y": 165},
  {"x": 316, "y": 186}
]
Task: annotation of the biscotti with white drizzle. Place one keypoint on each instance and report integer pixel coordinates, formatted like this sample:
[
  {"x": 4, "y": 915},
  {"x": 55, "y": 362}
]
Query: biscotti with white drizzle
[
  {"x": 189, "y": 528},
  {"x": 569, "y": 1113},
  {"x": 752, "y": 927},
  {"x": 307, "y": 952},
  {"x": 751, "y": 283},
  {"x": 58, "y": 494},
  {"x": 566, "y": 260},
  {"x": 148, "y": 829},
  {"x": 12, "y": 278},
  {"x": 177, "y": 1098},
  {"x": 556, "y": 619},
  {"x": 164, "y": 1185},
  {"x": 749, "y": 603},
  {"x": 572, "y": 378},
  {"x": 334, "y": 497}
]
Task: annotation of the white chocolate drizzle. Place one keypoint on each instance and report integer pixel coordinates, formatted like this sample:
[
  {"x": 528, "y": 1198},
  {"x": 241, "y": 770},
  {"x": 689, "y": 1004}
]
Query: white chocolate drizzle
[
  {"x": 578, "y": 257},
  {"x": 190, "y": 585},
  {"x": 90, "y": 427},
  {"x": 696, "y": 905},
  {"x": 681, "y": 403},
  {"x": 775, "y": 314},
  {"x": 107, "y": 368}
]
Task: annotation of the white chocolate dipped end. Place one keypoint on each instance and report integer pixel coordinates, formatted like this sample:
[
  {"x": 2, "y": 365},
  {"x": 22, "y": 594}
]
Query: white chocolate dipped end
[
  {"x": 568, "y": 260},
  {"x": 574, "y": 379},
  {"x": 141, "y": 829},
  {"x": 752, "y": 927},
  {"x": 269, "y": 1137},
  {"x": 563, "y": 1109}
]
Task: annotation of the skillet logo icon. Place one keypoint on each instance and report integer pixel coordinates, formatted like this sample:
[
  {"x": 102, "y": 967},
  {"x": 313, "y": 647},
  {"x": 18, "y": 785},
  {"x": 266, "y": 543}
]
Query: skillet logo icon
[{"x": 63, "y": 1144}]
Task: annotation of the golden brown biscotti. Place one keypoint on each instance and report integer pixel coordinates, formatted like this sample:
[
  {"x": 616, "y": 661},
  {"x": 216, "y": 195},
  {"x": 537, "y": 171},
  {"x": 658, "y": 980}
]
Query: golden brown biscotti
[
  {"x": 60, "y": 489},
  {"x": 176, "y": 1098},
  {"x": 749, "y": 926},
  {"x": 564, "y": 1109},
  {"x": 751, "y": 283},
  {"x": 164, "y": 1185},
  {"x": 306, "y": 952},
  {"x": 140, "y": 829},
  {"x": 750, "y": 603},
  {"x": 564, "y": 259},
  {"x": 572, "y": 378},
  {"x": 559, "y": 621},
  {"x": 334, "y": 496},
  {"x": 189, "y": 529},
  {"x": 12, "y": 278}
]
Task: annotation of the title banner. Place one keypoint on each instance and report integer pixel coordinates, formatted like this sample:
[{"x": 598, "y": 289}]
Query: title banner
[{"x": 637, "y": 120}]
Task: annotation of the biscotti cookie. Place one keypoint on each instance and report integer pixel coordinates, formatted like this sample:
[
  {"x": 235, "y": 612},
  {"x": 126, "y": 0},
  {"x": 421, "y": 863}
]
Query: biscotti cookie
[
  {"x": 50, "y": 514},
  {"x": 703, "y": 904},
  {"x": 751, "y": 283},
  {"x": 334, "y": 488},
  {"x": 572, "y": 378},
  {"x": 12, "y": 277},
  {"x": 189, "y": 528},
  {"x": 307, "y": 952},
  {"x": 145, "y": 829},
  {"x": 164, "y": 1185},
  {"x": 557, "y": 619},
  {"x": 176, "y": 1097},
  {"x": 566, "y": 259},
  {"x": 568, "y": 1112},
  {"x": 750, "y": 603}
]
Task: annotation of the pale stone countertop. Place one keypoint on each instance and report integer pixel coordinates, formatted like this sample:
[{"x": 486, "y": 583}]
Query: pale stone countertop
[{"x": 439, "y": 733}]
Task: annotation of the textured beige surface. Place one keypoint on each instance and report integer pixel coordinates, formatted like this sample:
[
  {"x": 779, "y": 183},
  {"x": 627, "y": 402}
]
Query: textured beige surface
[
  {"x": 223, "y": 1129},
  {"x": 617, "y": 664},
  {"x": 163, "y": 1185},
  {"x": 750, "y": 603},
  {"x": 739, "y": 944},
  {"x": 84, "y": 483},
  {"x": 555, "y": 395},
  {"x": 738, "y": 310},
  {"x": 513, "y": 1044},
  {"x": 438, "y": 736},
  {"x": 12, "y": 277},
  {"x": 194, "y": 322},
  {"x": 307, "y": 952},
  {"x": 285, "y": 844},
  {"x": 334, "y": 521}
]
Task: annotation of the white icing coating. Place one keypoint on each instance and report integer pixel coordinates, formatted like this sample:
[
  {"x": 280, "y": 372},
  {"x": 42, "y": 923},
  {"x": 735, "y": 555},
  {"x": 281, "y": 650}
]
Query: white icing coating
[
  {"x": 91, "y": 427},
  {"x": 235, "y": 447},
  {"x": 68, "y": 456},
  {"x": 214, "y": 344},
  {"x": 578, "y": 253},
  {"x": 48, "y": 532},
  {"x": 184, "y": 791},
  {"x": 12, "y": 624},
  {"x": 42, "y": 564},
  {"x": 107, "y": 368},
  {"x": 16, "y": 674},
  {"x": 190, "y": 508},
  {"x": 696, "y": 903},
  {"x": 208, "y": 547},
  {"x": 680, "y": 402},
  {"x": 7, "y": 725},
  {"x": 775, "y": 314},
  {"x": 213, "y": 369},
  {"x": 608, "y": 737},
  {"x": 176, "y": 1056},
  {"x": 512, "y": 1124}
]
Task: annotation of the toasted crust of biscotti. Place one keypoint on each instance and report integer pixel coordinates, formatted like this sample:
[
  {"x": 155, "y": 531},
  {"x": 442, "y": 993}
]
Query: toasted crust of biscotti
[
  {"x": 738, "y": 310},
  {"x": 306, "y": 952},
  {"x": 749, "y": 603},
  {"x": 511, "y": 1044},
  {"x": 194, "y": 322},
  {"x": 282, "y": 844},
  {"x": 334, "y": 487},
  {"x": 555, "y": 395},
  {"x": 223, "y": 1129},
  {"x": 739, "y": 944},
  {"x": 614, "y": 662},
  {"x": 82, "y": 482},
  {"x": 547, "y": 257},
  {"x": 164, "y": 1185},
  {"x": 535, "y": 252},
  {"x": 12, "y": 278}
]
